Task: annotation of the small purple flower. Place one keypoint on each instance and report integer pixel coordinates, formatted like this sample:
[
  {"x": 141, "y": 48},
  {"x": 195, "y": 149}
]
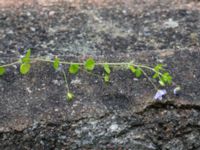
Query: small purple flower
[
  {"x": 159, "y": 94},
  {"x": 19, "y": 49},
  {"x": 22, "y": 51}
]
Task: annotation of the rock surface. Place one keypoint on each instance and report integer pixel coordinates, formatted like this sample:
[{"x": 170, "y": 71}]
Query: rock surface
[{"x": 34, "y": 113}]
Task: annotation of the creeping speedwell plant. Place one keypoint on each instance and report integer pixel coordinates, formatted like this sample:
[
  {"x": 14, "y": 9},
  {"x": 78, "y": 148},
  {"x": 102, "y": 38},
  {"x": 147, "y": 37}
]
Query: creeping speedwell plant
[{"x": 156, "y": 75}]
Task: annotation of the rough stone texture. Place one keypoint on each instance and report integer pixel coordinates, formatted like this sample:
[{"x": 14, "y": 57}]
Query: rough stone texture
[{"x": 34, "y": 113}]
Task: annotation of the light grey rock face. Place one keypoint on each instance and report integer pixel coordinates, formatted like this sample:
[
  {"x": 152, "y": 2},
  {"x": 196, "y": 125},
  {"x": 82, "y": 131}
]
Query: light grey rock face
[
  {"x": 110, "y": 132},
  {"x": 34, "y": 112},
  {"x": 174, "y": 144}
]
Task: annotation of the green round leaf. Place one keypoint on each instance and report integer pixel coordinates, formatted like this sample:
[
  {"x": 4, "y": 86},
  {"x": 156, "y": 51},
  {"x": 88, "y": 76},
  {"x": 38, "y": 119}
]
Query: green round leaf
[
  {"x": 106, "y": 78},
  {"x": 25, "y": 68},
  {"x": 28, "y": 53},
  {"x": 138, "y": 72},
  {"x": 73, "y": 69},
  {"x": 166, "y": 78},
  {"x": 2, "y": 71},
  {"x": 89, "y": 64},
  {"x": 158, "y": 67},
  {"x": 156, "y": 75},
  {"x": 26, "y": 58},
  {"x": 69, "y": 96},
  {"x": 56, "y": 63},
  {"x": 132, "y": 68},
  {"x": 106, "y": 68}
]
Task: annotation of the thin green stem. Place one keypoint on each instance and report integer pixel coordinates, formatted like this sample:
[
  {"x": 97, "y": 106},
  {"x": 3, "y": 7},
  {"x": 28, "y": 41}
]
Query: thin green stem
[
  {"x": 65, "y": 78},
  {"x": 82, "y": 63},
  {"x": 11, "y": 64},
  {"x": 145, "y": 74},
  {"x": 101, "y": 63},
  {"x": 149, "y": 68},
  {"x": 79, "y": 63}
]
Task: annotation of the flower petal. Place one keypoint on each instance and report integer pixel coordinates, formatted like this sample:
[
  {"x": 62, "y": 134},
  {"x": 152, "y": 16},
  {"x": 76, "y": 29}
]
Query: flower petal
[{"x": 159, "y": 94}]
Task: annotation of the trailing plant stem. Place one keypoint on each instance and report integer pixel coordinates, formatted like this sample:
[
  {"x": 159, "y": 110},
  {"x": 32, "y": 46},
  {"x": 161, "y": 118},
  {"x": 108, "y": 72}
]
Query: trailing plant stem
[
  {"x": 88, "y": 66},
  {"x": 81, "y": 63},
  {"x": 11, "y": 64}
]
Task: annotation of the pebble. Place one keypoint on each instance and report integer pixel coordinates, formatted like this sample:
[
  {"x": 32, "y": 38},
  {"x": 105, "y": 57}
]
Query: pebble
[
  {"x": 76, "y": 81},
  {"x": 57, "y": 82},
  {"x": 52, "y": 13},
  {"x": 171, "y": 23},
  {"x": 113, "y": 127},
  {"x": 32, "y": 29},
  {"x": 28, "y": 14},
  {"x": 10, "y": 32},
  {"x": 29, "y": 90}
]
